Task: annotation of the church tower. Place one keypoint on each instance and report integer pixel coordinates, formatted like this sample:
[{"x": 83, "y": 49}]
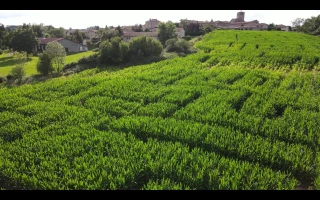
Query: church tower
[{"x": 240, "y": 16}]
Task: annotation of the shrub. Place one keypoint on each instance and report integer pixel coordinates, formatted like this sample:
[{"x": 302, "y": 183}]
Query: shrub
[
  {"x": 9, "y": 77},
  {"x": 2, "y": 79},
  {"x": 69, "y": 66},
  {"x": 180, "y": 46},
  {"x": 144, "y": 46},
  {"x": 44, "y": 65},
  {"x": 1, "y": 51},
  {"x": 113, "y": 52},
  {"x": 89, "y": 62},
  {"x": 187, "y": 38},
  {"x": 18, "y": 72}
]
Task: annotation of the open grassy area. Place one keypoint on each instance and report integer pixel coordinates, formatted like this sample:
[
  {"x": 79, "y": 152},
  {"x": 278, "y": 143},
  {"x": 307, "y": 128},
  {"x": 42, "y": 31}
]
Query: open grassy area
[{"x": 7, "y": 62}]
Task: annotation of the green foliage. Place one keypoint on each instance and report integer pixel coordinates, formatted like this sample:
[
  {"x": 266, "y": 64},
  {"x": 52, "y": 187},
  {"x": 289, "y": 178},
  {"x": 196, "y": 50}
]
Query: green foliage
[
  {"x": 44, "y": 65},
  {"x": 144, "y": 46},
  {"x": 194, "y": 29},
  {"x": 277, "y": 50},
  {"x": 113, "y": 52},
  {"x": 57, "y": 54},
  {"x": 183, "y": 123},
  {"x": 181, "y": 46},
  {"x": 76, "y": 36},
  {"x": 57, "y": 32},
  {"x": 84, "y": 63},
  {"x": 23, "y": 40},
  {"x": 18, "y": 72},
  {"x": 297, "y": 23},
  {"x": 187, "y": 38},
  {"x": 3, "y": 36},
  {"x": 311, "y": 25},
  {"x": 20, "y": 58},
  {"x": 20, "y": 61},
  {"x": 166, "y": 31},
  {"x": 37, "y": 29},
  {"x": 31, "y": 66}
]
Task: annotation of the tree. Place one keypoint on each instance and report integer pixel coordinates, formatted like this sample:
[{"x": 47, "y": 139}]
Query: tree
[
  {"x": 57, "y": 54},
  {"x": 76, "y": 36},
  {"x": 20, "y": 60},
  {"x": 108, "y": 34},
  {"x": 46, "y": 35},
  {"x": 183, "y": 24},
  {"x": 24, "y": 40},
  {"x": 180, "y": 46},
  {"x": 114, "y": 51},
  {"x": 57, "y": 32},
  {"x": 3, "y": 35},
  {"x": 137, "y": 28},
  {"x": 44, "y": 65},
  {"x": 38, "y": 29},
  {"x": 297, "y": 23},
  {"x": 207, "y": 28},
  {"x": 144, "y": 46},
  {"x": 193, "y": 29},
  {"x": 120, "y": 31},
  {"x": 311, "y": 26},
  {"x": 166, "y": 31},
  {"x": 272, "y": 27}
]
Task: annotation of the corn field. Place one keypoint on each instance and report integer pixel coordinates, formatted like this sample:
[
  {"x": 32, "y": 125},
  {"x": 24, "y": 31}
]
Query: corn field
[{"x": 207, "y": 121}]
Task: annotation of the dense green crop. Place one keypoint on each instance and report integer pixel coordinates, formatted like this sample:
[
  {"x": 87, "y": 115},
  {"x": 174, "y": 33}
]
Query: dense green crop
[
  {"x": 256, "y": 49},
  {"x": 176, "y": 124}
]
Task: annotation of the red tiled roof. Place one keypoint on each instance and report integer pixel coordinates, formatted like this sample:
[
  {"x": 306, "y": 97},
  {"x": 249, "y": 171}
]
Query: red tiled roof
[
  {"x": 137, "y": 34},
  {"x": 47, "y": 40}
]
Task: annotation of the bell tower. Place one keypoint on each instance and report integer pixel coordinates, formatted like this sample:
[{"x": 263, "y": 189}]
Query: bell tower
[{"x": 240, "y": 16}]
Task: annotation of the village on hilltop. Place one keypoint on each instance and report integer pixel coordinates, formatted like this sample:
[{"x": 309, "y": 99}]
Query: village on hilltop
[{"x": 150, "y": 29}]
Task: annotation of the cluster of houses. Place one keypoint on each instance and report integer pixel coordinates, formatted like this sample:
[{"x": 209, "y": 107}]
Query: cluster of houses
[
  {"x": 151, "y": 25},
  {"x": 239, "y": 23}
]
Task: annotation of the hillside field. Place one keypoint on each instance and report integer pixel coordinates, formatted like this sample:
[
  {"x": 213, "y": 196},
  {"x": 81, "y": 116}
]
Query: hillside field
[
  {"x": 224, "y": 118},
  {"x": 7, "y": 62}
]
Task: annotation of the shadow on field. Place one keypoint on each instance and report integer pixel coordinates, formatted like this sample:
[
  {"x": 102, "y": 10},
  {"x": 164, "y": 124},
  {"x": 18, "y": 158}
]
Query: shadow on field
[{"x": 9, "y": 61}]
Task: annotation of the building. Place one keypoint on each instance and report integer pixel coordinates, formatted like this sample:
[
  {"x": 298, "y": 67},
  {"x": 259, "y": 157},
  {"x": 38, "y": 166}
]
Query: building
[
  {"x": 282, "y": 27},
  {"x": 69, "y": 45},
  {"x": 240, "y": 24},
  {"x": 151, "y": 23},
  {"x": 127, "y": 36},
  {"x": 237, "y": 23},
  {"x": 91, "y": 34},
  {"x": 240, "y": 17},
  {"x": 180, "y": 32}
]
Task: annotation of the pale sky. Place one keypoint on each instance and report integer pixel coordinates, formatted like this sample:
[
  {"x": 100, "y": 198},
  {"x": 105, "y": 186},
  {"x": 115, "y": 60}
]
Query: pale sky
[{"x": 81, "y": 19}]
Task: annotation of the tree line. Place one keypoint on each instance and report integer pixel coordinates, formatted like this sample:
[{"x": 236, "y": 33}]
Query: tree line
[{"x": 309, "y": 26}]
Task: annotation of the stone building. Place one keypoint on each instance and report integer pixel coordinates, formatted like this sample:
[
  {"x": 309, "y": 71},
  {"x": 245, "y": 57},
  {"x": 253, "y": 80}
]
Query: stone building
[{"x": 151, "y": 23}]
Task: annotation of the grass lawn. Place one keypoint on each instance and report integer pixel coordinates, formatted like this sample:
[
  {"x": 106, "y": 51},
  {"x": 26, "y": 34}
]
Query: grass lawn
[{"x": 6, "y": 63}]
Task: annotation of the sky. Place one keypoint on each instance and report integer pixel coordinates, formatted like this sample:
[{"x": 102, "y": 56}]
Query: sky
[{"x": 82, "y": 19}]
